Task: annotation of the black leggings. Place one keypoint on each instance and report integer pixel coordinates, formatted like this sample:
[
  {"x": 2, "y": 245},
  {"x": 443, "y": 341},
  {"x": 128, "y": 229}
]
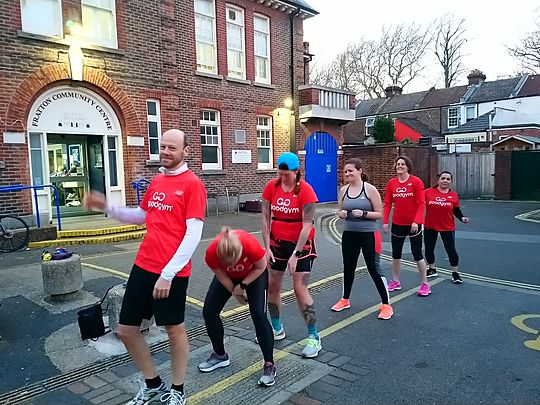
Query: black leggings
[
  {"x": 399, "y": 233},
  {"x": 351, "y": 245},
  {"x": 216, "y": 298},
  {"x": 449, "y": 242}
]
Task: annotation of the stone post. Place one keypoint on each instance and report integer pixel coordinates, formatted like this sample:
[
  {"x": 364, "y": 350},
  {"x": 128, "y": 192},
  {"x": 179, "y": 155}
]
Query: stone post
[
  {"x": 62, "y": 279},
  {"x": 114, "y": 304}
]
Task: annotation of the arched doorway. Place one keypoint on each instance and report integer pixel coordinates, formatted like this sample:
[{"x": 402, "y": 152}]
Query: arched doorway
[
  {"x": 75, "y": 144},
  {"x": 321, "y": 165}
]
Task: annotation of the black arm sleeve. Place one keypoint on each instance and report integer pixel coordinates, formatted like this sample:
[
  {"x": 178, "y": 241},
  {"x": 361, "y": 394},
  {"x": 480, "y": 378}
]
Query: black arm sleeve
[{"x": 457, "y": 212}]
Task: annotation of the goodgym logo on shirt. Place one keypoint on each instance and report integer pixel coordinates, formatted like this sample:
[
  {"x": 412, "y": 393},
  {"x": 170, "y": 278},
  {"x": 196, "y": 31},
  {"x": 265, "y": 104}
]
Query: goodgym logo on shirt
[
  {"x": 401, "y": 192},
  {"x": 282, "y": 205},
  {"x": 157, "y": 203},
  {"x": 440, "y": 201}
]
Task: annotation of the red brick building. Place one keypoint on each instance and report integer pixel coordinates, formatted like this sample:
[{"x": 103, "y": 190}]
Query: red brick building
[{"x": 87, "y": 87}]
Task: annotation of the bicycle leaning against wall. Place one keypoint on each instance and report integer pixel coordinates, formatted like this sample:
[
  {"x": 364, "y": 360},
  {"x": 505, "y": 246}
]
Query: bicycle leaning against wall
[{"x": 14, "y": 233}]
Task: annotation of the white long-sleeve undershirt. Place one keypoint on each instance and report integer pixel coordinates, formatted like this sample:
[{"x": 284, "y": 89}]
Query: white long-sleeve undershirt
[
  {"x": 128, "y": 215},
  {"x": 186, "y": 249}
]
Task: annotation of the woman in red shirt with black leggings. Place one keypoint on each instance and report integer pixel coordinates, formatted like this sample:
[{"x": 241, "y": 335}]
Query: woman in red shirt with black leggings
[
  {"x": 442, "y": 204},
  {"x": 406, "y": 193}
]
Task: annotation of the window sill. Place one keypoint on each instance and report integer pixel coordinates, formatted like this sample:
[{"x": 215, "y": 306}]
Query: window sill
[
  {"x": 64, "y": 42},
  {"x": 265, "y": 85},
  {"x": 266, "y": 171},
  {"x": 208, "y": 75},
  {"x": 153, "y": 163},
  {"x": 212, "y": 172},
  {"x": 236, "y": 80}
]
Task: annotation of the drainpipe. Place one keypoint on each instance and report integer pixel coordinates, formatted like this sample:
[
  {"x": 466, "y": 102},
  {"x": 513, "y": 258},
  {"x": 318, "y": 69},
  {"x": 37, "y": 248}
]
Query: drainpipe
[{"x": 292, "y": 120}]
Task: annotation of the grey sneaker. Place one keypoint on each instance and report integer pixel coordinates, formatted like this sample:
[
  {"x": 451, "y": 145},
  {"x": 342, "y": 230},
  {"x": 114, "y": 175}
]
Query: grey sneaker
[
  {"x": 269, "y": 375},
  {"x": 313, "y": 347},
  {"x": 213, "y": 362},
  {"x": 278, "y": 335},
  {"x": 147, "y": 395},
  {"x": 174, "y": 397}
]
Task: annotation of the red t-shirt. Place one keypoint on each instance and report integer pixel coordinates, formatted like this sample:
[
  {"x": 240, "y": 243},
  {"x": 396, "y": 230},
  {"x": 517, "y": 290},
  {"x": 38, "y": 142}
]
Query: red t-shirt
[
  {"x": 252, "y": 252},
  {"x": 440, "y": 209},
  {"x": 408, "y": 199},
  {"x": 169, "y": 202},
  {"x": 288, "y": 207}
]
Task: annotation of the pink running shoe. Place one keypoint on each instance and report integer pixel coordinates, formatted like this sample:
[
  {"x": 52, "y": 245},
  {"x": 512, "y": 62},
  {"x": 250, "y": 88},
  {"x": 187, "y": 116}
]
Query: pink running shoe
[
  {"x": 424, "y": 290},
  {"x": 394, "y": 286},
  {"x": 341, "y": 305}
]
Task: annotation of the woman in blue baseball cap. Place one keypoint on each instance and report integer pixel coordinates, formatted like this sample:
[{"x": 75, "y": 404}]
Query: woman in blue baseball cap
[{"x": 288, "y": 209}]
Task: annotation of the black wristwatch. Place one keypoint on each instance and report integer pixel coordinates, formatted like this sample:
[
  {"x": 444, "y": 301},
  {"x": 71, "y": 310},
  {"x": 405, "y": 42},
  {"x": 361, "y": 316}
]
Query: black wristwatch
[
  {"x": 298, "y": 253},
  {"x": 243, "y": 285}
]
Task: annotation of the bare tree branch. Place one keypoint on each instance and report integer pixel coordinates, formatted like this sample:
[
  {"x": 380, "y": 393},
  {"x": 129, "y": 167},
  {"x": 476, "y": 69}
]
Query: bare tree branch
[
  {"x": 528, "y": 52},
  {"x": 449, "y": 41},
  {"x": 367, "y": 66}
]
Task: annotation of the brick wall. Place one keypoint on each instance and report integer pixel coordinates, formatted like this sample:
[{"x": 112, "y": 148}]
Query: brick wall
[
  {"x": 503, "y": 175},
  {"x": 378, "y": 162},
  {"x": 156, "y": 59}
]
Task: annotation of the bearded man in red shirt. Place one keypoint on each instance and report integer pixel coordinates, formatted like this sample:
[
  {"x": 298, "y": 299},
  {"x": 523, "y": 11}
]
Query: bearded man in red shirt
[{"x": 173, "y": 210}]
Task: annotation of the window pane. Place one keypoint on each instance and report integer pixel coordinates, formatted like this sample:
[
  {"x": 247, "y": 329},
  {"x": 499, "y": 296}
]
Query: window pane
[
  {"x": 209, "y": 154},
  {"x": 204, "y": 28},
  {"x": 154, "y": 146},
  {"x": 35, "y": 141},
  {"x": 261, "y": 44},
  {"x": 153, "y": 130},
  {"x": 151, "y": 107},
  {"x": 41, "y": 17},
  {"x": 263, "y": 155},
  {"x": 113, "y": 170},
  {"x": 261, "y": 24},
  {"x": 98, "y": 23},
  {"x": 234, "y": 37},
  {"x": 261, "y": 68},
  {"x": 111, "y": 142},
  {"x": 204, "y": 6},
  {"x": 37, "y": 167}
]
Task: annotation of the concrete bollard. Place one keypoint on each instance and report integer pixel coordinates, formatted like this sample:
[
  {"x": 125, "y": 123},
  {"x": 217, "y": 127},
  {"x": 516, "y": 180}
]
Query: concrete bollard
[
  {"x": 114, "y": 304},
  {"x": 62, "y": 279}
]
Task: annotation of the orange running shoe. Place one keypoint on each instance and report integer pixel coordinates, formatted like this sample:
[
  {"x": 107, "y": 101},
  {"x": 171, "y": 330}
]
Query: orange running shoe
[
  {"x": 386, "y": 312},
  {"x": 341, "y": 305}
]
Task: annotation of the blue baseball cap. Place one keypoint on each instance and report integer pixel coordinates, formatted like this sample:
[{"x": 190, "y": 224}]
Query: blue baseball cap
[{"x": 288, "y": 161}]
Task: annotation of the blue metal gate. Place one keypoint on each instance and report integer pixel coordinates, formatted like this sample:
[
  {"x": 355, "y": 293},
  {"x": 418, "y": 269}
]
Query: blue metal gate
[{"x": 321, "y": 165}]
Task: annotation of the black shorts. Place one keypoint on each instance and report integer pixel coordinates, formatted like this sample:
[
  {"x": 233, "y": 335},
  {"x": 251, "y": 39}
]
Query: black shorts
[
  {"x": 284, "y": 249},
  {"x": 138, "y": 303}
]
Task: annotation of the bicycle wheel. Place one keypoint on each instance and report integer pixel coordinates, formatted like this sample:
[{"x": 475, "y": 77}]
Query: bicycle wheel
[{"x": 14, "y": 233}]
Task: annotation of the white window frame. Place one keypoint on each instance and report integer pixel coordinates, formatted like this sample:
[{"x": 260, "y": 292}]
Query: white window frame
[
  {"x": 107, "y": 43},
  {"x": 211, "y": 123},
  {"x": 467, "y": 109},
  {"x": 266, "y": 128},
  {"x": 27, "y": 23},
  {"x": 260, "y": 79},
  {"x": 201, "y": 65},
  {"x": 370, "y": 122},
  {"x": 452, "y": 120},
  {"x": 240, "y": 73},
  {"x": 157, "y": 119}
]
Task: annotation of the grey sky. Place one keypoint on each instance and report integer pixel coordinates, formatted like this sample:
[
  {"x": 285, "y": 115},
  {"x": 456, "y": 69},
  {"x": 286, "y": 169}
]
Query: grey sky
[{"x": 490, "y": 25}]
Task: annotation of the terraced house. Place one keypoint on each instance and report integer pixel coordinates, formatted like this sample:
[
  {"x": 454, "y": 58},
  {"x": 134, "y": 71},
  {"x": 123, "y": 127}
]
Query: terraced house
[
  {"x": 472, "y": 116},
  {"x": 88, "y": 86}
]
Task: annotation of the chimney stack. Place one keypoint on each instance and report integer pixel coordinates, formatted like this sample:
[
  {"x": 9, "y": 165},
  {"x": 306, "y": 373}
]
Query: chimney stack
[
  {"x": 476, "y": 77},
  {"x": 392, "y": 91}
]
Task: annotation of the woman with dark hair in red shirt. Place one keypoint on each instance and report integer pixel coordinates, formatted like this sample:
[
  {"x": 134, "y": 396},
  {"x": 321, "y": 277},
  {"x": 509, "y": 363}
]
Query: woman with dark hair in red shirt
[
  {"x": 442, "y": 204},
  {"x": 406, "y": 193}
]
